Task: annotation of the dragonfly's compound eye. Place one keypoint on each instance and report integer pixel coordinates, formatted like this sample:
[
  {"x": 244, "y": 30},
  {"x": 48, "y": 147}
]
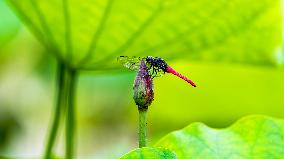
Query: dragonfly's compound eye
[{"x": 148, "y": 59}]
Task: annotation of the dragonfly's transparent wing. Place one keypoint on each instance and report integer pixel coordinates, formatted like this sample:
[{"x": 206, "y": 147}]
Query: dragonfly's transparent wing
[{"x": 130, "y": 62}]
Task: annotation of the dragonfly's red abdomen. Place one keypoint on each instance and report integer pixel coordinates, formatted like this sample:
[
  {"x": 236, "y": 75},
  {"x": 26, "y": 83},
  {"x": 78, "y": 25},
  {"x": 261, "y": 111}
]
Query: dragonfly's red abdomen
[{"x": 172, "y": 71}]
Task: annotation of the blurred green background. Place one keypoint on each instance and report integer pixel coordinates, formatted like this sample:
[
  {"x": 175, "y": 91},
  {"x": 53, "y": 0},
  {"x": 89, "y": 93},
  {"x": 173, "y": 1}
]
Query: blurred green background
[{"x": 230, "y": 86}]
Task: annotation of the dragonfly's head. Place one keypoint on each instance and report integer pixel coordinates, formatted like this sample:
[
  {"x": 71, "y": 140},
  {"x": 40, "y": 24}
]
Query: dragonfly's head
[{"x": 149, "y": 59}]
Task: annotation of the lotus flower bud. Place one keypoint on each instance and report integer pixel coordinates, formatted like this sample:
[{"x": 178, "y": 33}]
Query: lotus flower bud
[{"x": 143, "y": 88}]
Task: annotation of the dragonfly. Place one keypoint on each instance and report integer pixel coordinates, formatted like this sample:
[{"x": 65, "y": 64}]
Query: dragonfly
[{"x": 156, "y": 66}]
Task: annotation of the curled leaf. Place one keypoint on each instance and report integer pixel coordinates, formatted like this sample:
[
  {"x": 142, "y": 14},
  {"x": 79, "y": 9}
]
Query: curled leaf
[
  {"x": 251, "y": 137},
  {"x": 91, "y": 34}
]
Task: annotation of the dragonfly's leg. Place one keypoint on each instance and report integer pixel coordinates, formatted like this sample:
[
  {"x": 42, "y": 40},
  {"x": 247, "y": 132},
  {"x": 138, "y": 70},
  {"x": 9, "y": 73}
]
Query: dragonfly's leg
[
  {"x": 156, "y": 73},
  {"x": 150, "y": 68},
  {"x": 152, "y": 74},
  {"x": 153, "y": 70}
]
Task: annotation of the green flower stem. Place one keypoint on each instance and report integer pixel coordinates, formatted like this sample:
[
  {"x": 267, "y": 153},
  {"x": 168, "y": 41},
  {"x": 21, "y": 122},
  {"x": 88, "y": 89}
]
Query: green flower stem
[
  {"x": 61, "y": 92},
  {"x": 70, "y": 116},
  {"x": 142, "y": 127}
]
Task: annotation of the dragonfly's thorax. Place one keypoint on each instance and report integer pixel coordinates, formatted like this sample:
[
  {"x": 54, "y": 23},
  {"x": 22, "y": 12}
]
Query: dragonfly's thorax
[{"x": 157, "y": 62}]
